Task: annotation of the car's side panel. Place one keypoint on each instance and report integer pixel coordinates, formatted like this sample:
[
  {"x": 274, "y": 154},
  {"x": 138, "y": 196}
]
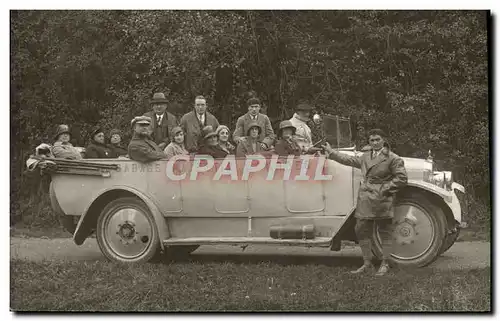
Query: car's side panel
[{"x": 339, "y": 193}]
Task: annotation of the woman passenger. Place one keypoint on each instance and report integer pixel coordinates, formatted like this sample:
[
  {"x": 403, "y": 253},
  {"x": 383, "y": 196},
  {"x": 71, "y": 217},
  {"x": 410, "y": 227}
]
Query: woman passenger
[
  {"x": 115, "y": 139},
  {"x": 62, "y": 147},
  {"x": 176, "y": 146},
  {"x": 286, "y": 144},
  {"x": 250, "y": 144},
  {"x": 210, "y": 144},
  {"x": 97, "y": 147},
  {"x": 223, "y": 134}
]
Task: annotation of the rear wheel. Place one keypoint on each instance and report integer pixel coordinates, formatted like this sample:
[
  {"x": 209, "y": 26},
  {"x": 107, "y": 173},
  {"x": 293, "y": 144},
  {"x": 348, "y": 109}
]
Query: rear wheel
[
  {"x": 419, "y": 231},
  {"x": 126, "y": 231}
]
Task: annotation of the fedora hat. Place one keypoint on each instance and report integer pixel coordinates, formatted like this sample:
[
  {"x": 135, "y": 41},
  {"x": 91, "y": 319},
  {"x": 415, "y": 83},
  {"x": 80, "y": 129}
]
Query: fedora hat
[
  {"x": 207, "y": 132},
  {"x": 158, "y": 98},
  {"x": 61, "y": 129}
]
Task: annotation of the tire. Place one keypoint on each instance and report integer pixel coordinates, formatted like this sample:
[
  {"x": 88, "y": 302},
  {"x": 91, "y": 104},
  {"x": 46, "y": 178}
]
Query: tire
[
  {"x": 127, "y": 238},
  {"x": 419, "y": 231},
  {"x": 450, "y": 240}
]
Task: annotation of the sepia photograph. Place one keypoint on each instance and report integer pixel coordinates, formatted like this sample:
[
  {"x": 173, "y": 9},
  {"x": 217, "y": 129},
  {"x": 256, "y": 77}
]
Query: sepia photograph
[{"x": 250, "y": 160}]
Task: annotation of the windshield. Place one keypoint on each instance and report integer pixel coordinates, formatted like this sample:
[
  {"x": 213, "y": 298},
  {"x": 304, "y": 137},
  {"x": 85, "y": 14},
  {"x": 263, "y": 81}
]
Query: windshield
[{"x": 337, "y": 131}]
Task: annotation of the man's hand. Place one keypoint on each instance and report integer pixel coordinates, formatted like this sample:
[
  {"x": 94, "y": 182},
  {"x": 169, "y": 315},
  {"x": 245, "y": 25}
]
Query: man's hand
[
  {"x": 162, "y": 145},
  {"x": 326, "y": 146}
]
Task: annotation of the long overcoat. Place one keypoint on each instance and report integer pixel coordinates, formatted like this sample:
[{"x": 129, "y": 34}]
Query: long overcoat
[
  {"x": 144, "y": 150},
  {"x": 382, "y": 177},
  {"x": 192, "y": 129},
  {"x": 161, "y": 134}
]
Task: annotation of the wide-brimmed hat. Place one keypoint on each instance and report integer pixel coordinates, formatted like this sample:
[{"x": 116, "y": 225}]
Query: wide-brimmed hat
[
  {"x": 220, "y": 128},
  {"x": 140, "y": 120},
  {"x": 175, "y": 131},
  {"x": 252, "y": 125},
  {"x": 207, "y": 132},
  {"x": 286, "y": 124},
  {"x": 115, "y": 131},
  {"x": 304, "y": 107},
  {"x": 96, "y": 131},
  {"x": 61, "y": 129},
  {"x": 158, "y": 98}
]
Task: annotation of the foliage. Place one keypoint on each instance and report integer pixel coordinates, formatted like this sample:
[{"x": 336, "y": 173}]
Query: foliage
[{"x": 420, "y": 75}]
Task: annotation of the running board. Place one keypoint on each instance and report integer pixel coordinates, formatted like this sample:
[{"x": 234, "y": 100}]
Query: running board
[{"x": 318, "y": 241}]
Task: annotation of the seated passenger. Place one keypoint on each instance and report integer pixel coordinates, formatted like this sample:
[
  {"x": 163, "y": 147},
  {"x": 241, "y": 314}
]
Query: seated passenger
[
  {"x": 210, "y": 144},
  {"x": 223, "y": 134},
  {"x": 176, "y": 145},
  {"x": 62, "y": 147},
  {"x": 286, "y": 144},
  {"x": 97, "y": 147},
  {"x": 115, "y": 139},
  {"x": 250, "y": 144},
  {"x": 141, "y": 147}
]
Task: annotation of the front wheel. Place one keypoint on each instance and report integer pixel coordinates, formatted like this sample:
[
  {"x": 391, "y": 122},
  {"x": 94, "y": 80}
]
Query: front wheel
[
  {"x": 126, "y": 231},
  {"x": 419, "y": 231}
]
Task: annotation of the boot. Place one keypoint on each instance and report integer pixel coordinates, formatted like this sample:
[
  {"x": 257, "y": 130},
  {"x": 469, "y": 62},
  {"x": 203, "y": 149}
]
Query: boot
[
  {"x": 367, "y": 267},
  {"x": 366, "y": 249},
  {"x": 384, "y": 268}
]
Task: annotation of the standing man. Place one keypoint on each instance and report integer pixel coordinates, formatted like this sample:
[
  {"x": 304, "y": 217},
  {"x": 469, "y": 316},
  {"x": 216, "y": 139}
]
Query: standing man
[
  {"x": 141, "y": 148},
  {"x": 383, "y": 174},
  {"x": 303, "y": 133},
  {"x": 266, "y": 136},
  {"x": 193, "y": 122},
  {"x": 162, "y": 121}
]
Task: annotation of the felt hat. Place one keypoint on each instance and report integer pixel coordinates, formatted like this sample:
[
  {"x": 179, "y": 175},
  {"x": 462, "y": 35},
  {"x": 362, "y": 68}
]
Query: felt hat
[
  {"x": 252, "y": 125},
  {"x": 115, "y": 131},
  {"x": 220, "y": 128},
  {"x": 175, "y": 131},
  {"x": 286, "y": 124},
  {"x": 61, "y": 129},
  {"x": 208, "y": 132},
  {"x": 158, "y": 98}
]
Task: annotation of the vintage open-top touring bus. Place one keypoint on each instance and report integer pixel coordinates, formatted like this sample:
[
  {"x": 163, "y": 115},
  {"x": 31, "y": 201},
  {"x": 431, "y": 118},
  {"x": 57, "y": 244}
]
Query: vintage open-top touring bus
[{"x": 140, "y": 211}]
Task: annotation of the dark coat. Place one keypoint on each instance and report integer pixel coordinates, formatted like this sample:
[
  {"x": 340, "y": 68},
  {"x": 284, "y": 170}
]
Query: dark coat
[
  {"x": 161, "y": 135},
  {"x": 382, "y": 177},
  {"x": 96, "y": 150},
  {"x": 118, "y": 150},
  {"x": 245, "y": 147},
  {"x": 192, "y": 129},
  {"x": 287, "y": 147},
  {"x": 214, "y": 151},
  {"x": 243, "y": 123},
  {"x": 144, "y": 150}
]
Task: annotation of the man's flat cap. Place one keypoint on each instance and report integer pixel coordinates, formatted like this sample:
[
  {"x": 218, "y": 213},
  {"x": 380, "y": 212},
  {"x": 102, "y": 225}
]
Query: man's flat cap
[{"x": 141, "y": 120}]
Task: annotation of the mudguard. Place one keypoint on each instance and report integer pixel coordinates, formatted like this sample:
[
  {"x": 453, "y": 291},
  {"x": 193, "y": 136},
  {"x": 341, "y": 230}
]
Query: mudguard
[
  {"x": 79, "y": 235},
  {"x": 449, "y": 197}
]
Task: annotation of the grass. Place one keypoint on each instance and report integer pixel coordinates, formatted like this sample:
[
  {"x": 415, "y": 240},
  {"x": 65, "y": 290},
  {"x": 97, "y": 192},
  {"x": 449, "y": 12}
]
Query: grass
[{"x": 223, "y": 286}]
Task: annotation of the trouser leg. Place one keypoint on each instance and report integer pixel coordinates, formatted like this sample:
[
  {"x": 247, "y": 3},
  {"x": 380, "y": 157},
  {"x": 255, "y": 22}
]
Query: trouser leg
[
  {"x": 363, "y": 231},
  {"x": 385, "y": 229}
]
